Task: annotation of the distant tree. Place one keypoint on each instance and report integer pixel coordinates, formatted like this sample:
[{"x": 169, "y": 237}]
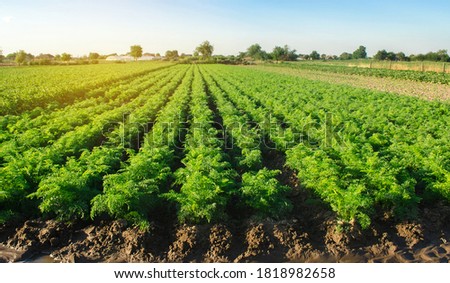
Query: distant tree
[
  {"x": 278, "y": 53},
  {"x": 94, "y": 56},
  {"x": 45, "y": 56},
  {"x": 418, "y": 57},
  {"x": 381, "y": 55},
  {"x": 401, "y": 56},
  {"x": 323, "y": 56},
  {"x": 431, "y": 56},
  {"x": 306, "y": 57},
  {"x": 196, "y": 54},
  {"x": 255, "y": 51},
  {"x": 11, "y": 56},
  {"x": 66, "y": 57},
  {"x": 45, "y": 59},
  {"x": 284, "y": 53},
  {"x": 290, "y": 55},
  {"x": 1, "y": 56},
  {"x": 241, "y": 56},
  {"x": 30, "y": 57},
  {"x": 21, "y": 56},
  {"x": 440, "y": 55},
  {"x": 205, "y": 49},
  {"x": 158, "y": 55},
  {"x": 391, "y": 56},
  {"x": 345, "y": 56},
  {"x": 172, "y": 54},
  {"x": 360, "y": 53},
  {"x": 136, "y": 52},
  {"x": 315, "y": 55},
  {"x": 443, "y": 56}
]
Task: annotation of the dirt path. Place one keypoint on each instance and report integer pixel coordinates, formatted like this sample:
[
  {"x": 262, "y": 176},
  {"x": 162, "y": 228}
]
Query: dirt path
[{"x": 428, "y": 91}]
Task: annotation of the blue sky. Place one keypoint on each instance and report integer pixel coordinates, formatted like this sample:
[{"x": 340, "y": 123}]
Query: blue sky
[{"x": 332, "y": 27}]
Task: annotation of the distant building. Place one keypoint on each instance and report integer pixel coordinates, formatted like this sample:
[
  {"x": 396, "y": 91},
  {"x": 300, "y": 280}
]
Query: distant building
[
  {"x": 147, "y": 58},
  {"x": 125, "y": 58}
]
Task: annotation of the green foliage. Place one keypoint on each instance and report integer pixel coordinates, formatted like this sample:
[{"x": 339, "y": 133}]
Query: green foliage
[
  {"x": 361, "y": 152},
  {"x": 205, "y": 183},
  {"x": 205, "y": 49},
  {"x": 345, "y": 56},
  {"x": 68, "y": 191},
  {"x": 5, "y": 216},
  {"x": 314, "y": 55},
  {"x": 25, "y": 89},
  {"x": 136, "y": 51},
  {"x": 26, "y": 169},
  {"x": 134, "y": 192},
  {"x": 21, "y": 56},
  {"x": 94, "y": 56},
  {"x": 66, "y": 57},
  {"x": 360, "y": 53},
  {"x": 284, "y": 54},
  {"x": 171, "y": 54},
  {"x": 264, "y": 194},
  {"x": 439, "y": 56},
  {"x": 206, "y": 180},
  {"x": 260, "y": 191},
  {"x": 431, "y": 77},
  {"x": 371, "y": 156},
  {"x": 256, "y": 53}
]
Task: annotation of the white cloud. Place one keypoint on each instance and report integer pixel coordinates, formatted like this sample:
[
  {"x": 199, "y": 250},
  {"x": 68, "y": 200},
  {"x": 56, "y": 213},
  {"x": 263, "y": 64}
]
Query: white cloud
[{"x": 7, "y": 19}]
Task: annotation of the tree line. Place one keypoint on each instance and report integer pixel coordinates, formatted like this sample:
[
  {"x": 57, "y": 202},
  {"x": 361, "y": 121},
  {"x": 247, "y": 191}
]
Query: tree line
[
  {"x": 255, "y": 52},
  {"x": 439, "y": 56},
  {"x": 21, "y": 58},
  {"x": 204, "y": 54}
]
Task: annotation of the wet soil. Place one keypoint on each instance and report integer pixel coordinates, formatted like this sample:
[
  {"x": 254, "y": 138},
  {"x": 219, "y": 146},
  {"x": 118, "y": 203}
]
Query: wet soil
[{"x": 311, "y": 236}]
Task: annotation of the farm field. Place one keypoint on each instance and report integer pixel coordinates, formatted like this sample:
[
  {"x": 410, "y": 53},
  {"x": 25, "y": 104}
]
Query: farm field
[
  {"x": 425, "y": 66},
  {"x": 221, "y": 163},
  {"x": 386, "y": 82}
]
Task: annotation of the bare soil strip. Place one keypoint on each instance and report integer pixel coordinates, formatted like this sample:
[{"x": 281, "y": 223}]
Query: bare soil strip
[
  {"x": 309, "y": 236},
  {"x": 427, "y": 91}
]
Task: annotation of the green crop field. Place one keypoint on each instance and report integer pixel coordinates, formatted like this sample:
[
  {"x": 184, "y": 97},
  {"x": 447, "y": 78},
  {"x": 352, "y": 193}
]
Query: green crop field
[
  {"x": 129, "y": 140},
  {"x": 381, "y": 72}
]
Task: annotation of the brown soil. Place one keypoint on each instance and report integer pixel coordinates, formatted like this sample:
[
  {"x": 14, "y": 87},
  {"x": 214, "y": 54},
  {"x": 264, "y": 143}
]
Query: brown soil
[{"x": 302, "y": 239}]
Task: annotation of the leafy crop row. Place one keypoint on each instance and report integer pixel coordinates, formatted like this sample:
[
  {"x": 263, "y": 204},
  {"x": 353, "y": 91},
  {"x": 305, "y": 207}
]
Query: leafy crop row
[
  {"x": 68, "y": 190},
  {"x": 46, "y": 129},
  {"x": 431, "y": 77},
  {"x": 259, "y": 189},
  {"x": 384, "y": 149},
  {"x": 23, "y": 89},
  {"x": 23, "y": 171},
  {"x": 364, "y": 153},
  {"x": 206, "y": 180},
  {"x": 134, "y": 192}
]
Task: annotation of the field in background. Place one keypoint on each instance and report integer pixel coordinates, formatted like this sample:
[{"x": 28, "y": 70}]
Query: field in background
[
  {"x": 425, "y": 66},
  {"x": 418, "y": 84}
]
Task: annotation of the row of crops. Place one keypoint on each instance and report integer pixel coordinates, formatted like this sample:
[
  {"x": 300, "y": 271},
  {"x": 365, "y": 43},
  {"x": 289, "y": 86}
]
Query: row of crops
[
  {"x": 430, "y": 77},
  {"x": 23, "y": 89},
  {"x": 194, "y": 138}
]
